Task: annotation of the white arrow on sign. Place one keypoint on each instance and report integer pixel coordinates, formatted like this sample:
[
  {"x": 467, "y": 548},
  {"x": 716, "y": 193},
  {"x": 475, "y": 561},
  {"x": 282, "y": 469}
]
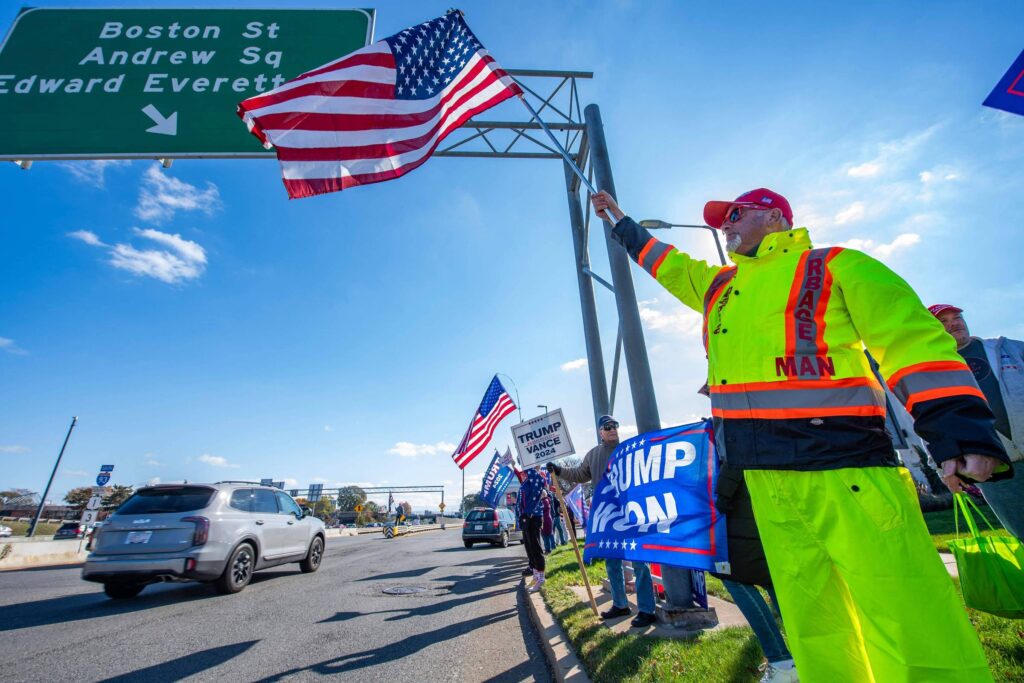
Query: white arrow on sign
[{"x": 164, "y": 126}]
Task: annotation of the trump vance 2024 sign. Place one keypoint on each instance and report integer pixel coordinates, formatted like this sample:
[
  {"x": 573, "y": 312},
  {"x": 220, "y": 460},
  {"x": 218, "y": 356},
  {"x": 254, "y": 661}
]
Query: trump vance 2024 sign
[{"x": 86, "y": 83}]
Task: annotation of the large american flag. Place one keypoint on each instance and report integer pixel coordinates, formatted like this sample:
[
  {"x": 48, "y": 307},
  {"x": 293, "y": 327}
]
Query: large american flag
[
  {"x": 493, "y": 409},
  {"x": 379, "y": 112}
]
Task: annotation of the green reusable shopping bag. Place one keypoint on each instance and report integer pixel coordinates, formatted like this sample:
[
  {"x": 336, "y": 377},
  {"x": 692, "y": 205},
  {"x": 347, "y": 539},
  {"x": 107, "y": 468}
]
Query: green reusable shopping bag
[{"x": 991, "y": 568}]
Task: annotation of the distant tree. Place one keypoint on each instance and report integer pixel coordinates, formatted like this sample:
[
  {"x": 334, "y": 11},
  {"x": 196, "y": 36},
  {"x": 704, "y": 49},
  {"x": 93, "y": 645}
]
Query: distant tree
[
  {"x": 473, "y": 500},
  {"x": 78, "y": 497},
  {"x": 369, "y": 513},
  {"x": 118, "y": 495},
  {"x": 323, "y": 508},
  {"x": 349, "y": 497},
  {"x": 407, "y": 508}
]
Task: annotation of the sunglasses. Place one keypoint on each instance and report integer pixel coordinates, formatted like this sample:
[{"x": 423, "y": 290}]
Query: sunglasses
[
  {"x": 610, "y": 427},
  {"x": 737, "y": 211}
]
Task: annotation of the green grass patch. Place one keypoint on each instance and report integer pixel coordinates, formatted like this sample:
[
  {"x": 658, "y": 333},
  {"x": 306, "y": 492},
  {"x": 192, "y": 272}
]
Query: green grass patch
[
  {"x": 943, "y": 529},
  {"x": 20, "y": 528},
  {"x": 729, "y": 656}
]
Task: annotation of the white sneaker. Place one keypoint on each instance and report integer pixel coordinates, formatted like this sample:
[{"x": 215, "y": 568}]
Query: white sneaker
[
  {"x": 780, "y": 672},
  {"x": 535, "y": 588}
]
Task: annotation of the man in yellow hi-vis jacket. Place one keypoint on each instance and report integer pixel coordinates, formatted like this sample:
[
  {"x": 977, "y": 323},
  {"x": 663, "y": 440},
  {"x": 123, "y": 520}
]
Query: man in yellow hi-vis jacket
[{"x": 797, "y": 407}]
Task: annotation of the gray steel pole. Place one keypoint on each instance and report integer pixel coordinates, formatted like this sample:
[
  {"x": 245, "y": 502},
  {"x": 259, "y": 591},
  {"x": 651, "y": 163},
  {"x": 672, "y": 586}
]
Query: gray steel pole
[
  {"x": 591, "y": 328},
  {"x": 641, "y": 385},
  {"x": 677, "y": 582},
  {"x": 42, "y": 502}
]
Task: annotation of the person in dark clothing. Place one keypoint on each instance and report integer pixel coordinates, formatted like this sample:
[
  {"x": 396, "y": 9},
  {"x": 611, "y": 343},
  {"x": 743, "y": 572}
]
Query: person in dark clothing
[{"x": 531, "y": 516}]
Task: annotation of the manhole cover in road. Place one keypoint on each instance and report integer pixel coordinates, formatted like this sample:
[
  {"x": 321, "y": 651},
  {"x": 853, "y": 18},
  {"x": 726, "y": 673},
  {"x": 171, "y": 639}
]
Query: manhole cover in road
[{"x": 405, "y": 590}]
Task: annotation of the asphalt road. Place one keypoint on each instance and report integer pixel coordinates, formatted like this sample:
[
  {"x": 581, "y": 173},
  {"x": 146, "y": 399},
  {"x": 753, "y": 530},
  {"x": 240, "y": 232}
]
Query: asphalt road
[{"x": 469, "y": 624}]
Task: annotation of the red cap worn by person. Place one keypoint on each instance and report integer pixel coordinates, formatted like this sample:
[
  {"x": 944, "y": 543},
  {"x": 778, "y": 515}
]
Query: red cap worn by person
[
  {"x": 939, "y": 309},
  {"x": 715, "y": 211}
]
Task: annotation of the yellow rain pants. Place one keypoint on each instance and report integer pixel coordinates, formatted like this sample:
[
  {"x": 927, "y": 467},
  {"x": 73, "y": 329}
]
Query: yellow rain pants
[{"x": 863, "y": 593}]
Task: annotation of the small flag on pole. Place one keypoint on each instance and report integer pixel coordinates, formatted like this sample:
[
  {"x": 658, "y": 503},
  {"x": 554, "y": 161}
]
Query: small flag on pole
[
  {"x": 495, "y": 405},
  {"x": 380, "y": 112}
]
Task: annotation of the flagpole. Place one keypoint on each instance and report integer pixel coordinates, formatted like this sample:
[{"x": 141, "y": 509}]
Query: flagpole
[
  {"x": 558, "y": 146},
  {"x": 462, "y": 501},
  {"x": 514, "y": 388},
  {"x": 575, "y": 545}
]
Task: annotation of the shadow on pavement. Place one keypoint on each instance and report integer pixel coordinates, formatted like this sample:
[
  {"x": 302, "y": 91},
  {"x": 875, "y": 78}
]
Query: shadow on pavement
[
  {"x": 421, "y": 611},
  {"x": 408, "y": 573},
  {"x": 185, "y": 666},
  {"x": 85, "y": 606},
  {"x": 389, "y": 652}
]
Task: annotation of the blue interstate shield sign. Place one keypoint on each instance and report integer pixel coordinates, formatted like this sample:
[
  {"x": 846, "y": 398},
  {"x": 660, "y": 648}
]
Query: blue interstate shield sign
[
  {"x": 102, "y": 478},
  {"x": 1008, "y": 94}
]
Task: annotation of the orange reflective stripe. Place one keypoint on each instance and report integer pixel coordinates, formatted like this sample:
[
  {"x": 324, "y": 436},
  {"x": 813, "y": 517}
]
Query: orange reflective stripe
[
  {"x": 929, "y": 394},
  {"x": 930, "y": 366},
  {"x": 711, "y": 296},
  {"x": 795, "y": 384},
  {"x": 790, "y": 413},
  {"x": 794, "y": 293},
  {"x": 805, "y": 313},
  {"x": 643, "y": 252},
  {"x": 657, "y": 264}
]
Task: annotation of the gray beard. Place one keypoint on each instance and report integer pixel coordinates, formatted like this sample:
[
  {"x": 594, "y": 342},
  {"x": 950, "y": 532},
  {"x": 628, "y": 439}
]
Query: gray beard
[{"x": 733, "y": 243}]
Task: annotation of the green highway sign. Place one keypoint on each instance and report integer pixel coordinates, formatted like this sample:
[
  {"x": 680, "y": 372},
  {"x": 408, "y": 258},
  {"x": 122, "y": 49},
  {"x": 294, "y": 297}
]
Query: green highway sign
[{"x": 155, "y": 83}]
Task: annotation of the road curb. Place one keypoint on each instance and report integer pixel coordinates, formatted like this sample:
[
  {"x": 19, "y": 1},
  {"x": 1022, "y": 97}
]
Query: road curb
[{"x": 562, "y": 659}]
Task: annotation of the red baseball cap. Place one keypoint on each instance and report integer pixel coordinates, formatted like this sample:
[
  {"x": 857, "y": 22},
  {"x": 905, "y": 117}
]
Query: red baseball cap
[
  {"x": 714, "y": 212},
  {"x": 938, "y": 309}
]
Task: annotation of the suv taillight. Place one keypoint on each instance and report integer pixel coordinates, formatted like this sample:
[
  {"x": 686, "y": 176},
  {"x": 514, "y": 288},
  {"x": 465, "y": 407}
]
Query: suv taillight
[
  {"x": 202, "y": 532},
  {"x": 495, "y": 523}
]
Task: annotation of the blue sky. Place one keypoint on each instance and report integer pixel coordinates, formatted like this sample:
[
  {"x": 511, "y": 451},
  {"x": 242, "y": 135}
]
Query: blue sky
[{"x": 202, "y": 326}]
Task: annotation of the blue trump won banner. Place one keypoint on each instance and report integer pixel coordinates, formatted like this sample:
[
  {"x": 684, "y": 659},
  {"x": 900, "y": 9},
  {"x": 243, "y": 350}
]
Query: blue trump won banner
[
  {"x": 496, "y": 480},
  {"x": 656, "y": 501},
  {"x": 1008, "y": 94}
]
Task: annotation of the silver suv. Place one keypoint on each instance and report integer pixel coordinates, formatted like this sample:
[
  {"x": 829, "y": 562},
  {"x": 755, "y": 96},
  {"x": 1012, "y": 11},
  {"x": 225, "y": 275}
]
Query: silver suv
[{"x": 218, "y": 533}]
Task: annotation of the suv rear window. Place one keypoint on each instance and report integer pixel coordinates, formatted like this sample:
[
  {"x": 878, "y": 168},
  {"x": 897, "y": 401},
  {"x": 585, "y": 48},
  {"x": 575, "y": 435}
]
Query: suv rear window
[
  {"x": 481, "y": 516},
  {"x": 176, "y": 499}
]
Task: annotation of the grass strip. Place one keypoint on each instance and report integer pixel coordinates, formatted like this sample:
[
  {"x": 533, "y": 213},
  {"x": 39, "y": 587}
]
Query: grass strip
[{"x": 729, "y": 656}]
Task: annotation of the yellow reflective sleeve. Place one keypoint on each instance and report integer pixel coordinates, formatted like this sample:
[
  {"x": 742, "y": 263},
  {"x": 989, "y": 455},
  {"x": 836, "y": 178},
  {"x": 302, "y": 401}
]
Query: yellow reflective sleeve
[
  {"x": 685, "y": 277},
  {"x": 888, "y": 315}
]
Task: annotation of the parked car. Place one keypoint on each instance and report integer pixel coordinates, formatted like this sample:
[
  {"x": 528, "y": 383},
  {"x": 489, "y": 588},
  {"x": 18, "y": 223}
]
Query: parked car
[
  {"x": 6, "y": 531},
  {"x": 217, "y": 533},
  {"x": 71, "y": 530},
  {"x": 495, "y": 526}
]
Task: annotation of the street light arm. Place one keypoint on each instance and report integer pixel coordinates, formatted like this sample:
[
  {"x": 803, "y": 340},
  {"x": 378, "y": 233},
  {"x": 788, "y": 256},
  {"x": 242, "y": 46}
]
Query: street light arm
[{"x": 655, "y": 224}]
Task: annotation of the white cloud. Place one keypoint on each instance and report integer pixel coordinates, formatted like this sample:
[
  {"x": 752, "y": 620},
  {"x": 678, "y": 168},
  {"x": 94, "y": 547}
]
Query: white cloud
[
  {"x": 9, "y": 346},
  {"x": 865, "y": 170},
  {"x": 851, "y": 213},
  {"x": 290, "y": 483},
  {"x": 153, "y": 482},
  {"x": 680, "y": 320},
  {"x": 328, "y": 428},
  {"x": 574, "y": 365},
  {"x": 92, "y": 172},
  {"x": 87, "y": 236},
  {"x": 901, "y": 242},
  {"x": 150, "y": 460},
  {"x": 182, "y": 260},
  {"x": 406, "y": 449},
  {"x": 15, "y": 448},
  {"x": 318, "y": 480},
  {"x": 161, "y": 196},
  {"x": 215, "y": 461},
  {"x": 76, "y": 474}
]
